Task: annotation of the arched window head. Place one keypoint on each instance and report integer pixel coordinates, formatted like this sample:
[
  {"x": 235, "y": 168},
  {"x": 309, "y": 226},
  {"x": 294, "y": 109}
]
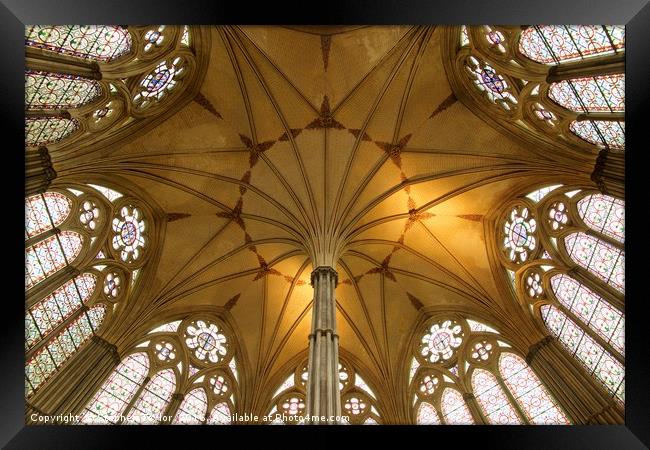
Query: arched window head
[
  {"x": 603, "y": 133},
  {"x": 160, "y": 82},
  {"x": 487, "y": 364},
  {"x": 556, "y": 44},
  {"x": 95, "y": 42},
  {"x": 529, "y": 392},
  {"x": 441, "y": 341},
  {"x": 603, "y": 93},
  {"x": 166, "y": 364},
  {"x": 48, "y": 130},
  {"x": 607, "y": 369},
  {"x": 50, "y": 255},
  {"x": 151, "y": 404},
  {"x": 45, "y": 90},
  {"x": 599, "y": 257},
  {"x": 109, "y": 403},
  {"x": 45, "y": 361},
  {"x": 44, "y": 212},
  {"x": 603, "y": 214},
  {"x": 57, "y": 307},
  {"x": 493, "y": 400},
  {"x": 591, "y": 309},
  {"x": 207, "y": 342},
  {"x": 129, "y": 227}
]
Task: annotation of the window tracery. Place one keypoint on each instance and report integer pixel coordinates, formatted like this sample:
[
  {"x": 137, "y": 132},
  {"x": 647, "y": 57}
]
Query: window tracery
[
  {"x": 117, "y": 71},
  {"x": 64, "y": 308},
  {"x": 582, "y": 108},
  {"x": 358, "y": 401},
  {"x": 576, "y": 289},
  {"x": 166, "y": 363},
  {"x": 485, "y": 367}
]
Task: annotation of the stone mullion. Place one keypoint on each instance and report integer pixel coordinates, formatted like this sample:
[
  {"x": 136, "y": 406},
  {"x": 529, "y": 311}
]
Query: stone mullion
[
  {"x": 36, "y": 59},
  {"x": 133, "y": 400},
  {"x": 45, "y": 287},
  {"x": 475, "y": 409},
  {"x": 39, "y": 172},
  {"x": 606, "y": 65},
  {"x": 173, "y": 406},
  {"x": 576, "y": 391},
  {"x": 69, "y": 390}
]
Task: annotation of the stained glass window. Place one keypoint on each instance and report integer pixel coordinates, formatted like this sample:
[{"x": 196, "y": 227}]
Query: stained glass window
[
  {"x": 110, "y": 194},
  {"x": 604, "y": 93},
  {"x": 591, "y": 309},
  {"x": 95, "y": 42},
  {"x": 591, "y": 354},
  {"x": 602, "y": 259},
  {"x": 454, "y": 409},
  {"x": 48, "y": 130},
  {"x": 427, "y": 415},
  {"x": 604, "y": 214},
  {"x": 492, "y": 399},
  {"x": 45, "y": 361},
  {"x": 604, "y": 133},
  {"x": 220, "y": 415},
  {"x": 45, "y": 211},
  {"x": 54, "y": 309},
  {"x": 54, "y": 90},
  {"x": 193, "y": 409},
  {"x": 170, "y": 327},
  {"x": 185, "y": 40},
  {"x": 207, "y": 341},
  {"x": 129, "y": 229},
  {"x": 519, "y": 230},
  {"x": 111, "y": 400},
  {"x": 50, "y": 255},
  {"x": 488, "y": 81},
  {"x": 159, "y": 82},
  {"x": 150, "y": 405},
  {"x": 554, "y": 44},
  {"x": 529, "y": 392},
  {"x": 441, "y": 341},
  {"x": 464, "y": 35}
]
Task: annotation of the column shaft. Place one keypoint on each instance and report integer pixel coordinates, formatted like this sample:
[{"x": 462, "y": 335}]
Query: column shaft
[{"x": 323, "y": 396}]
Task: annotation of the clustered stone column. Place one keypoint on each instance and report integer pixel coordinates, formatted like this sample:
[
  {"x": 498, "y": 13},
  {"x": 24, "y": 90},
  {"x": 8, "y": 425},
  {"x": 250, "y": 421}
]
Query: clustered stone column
[
  {"x": 323, "y": 396},
  {"x": 581, "y": 396},
  {"x": 474, "y": 408},
  {"x": 609, "y": 173},
  {"x": 39, "y": 172},
  {"x": 69, "y": 391}
]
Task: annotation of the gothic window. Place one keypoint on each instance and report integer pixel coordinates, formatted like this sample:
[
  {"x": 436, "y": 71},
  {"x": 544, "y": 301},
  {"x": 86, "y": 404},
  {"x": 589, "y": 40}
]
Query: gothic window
[
  {"x": 49, "y": 357},
  {"x": 582, "y": 107},
  {"x": 181, "y": 359},
  {"x": 358, "y": 400},
  {"x": 48, "y": 130},
  {"x": 556, "y": 44},
  {"x": 65, "y": 227},
  {"x": 94, "y": 42},
  {"x": 53, "y": 90},
  {"x": 482, "y": 367},
  {"x": 576, "y": 287}
]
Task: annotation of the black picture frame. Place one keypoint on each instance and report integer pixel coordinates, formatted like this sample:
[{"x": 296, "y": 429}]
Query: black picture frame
[{"x": 635, "y": 14}]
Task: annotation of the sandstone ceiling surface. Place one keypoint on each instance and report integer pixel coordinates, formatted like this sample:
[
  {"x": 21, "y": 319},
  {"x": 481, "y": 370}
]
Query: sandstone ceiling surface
[{"x": 310, "y": 146}]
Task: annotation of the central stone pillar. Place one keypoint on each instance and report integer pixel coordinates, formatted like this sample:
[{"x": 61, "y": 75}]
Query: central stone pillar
[{"x": 323, "y": 396}]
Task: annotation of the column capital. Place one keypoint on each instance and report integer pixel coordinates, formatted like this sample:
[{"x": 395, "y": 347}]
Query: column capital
[
  {"x": 468, "y": 396},
  {"x": 328, "y": 270},
  {"x": 179, "y": 396},
  {"x": 537, "y": 346},
  {"x": 111, "y": 348}
]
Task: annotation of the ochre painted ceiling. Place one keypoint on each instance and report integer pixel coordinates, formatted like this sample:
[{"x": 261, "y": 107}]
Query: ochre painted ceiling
[{"x": 331, "y": 145}]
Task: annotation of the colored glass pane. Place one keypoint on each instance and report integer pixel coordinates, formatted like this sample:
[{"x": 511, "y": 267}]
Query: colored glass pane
[
  {"x": 95, "y": 42},
  {"x": 50, "y": 255},
  {"x": 150, "y": 405},
  {"x": 454, "y": 409},
  {"x": 599, "y": 257},
  {"x": 603, "y": 133},
  {"x": 529, "y": 392},
  {"x": 492, "y": 399},
  {"x": 554, "y": 44},
  {"x": 427, "y": 415},
  {"x": 45, "y": 90},
  {"x": 45, "y": 211},
  {"x": 220, "y": 415},
  {"x": 604, "y": 214},
  {"x": 111, "y": 400},
  {"x": 604, "y": 93},
  {"x": 193, "y": 409},
  {"x": 539, "y": 194},
  {"x": 48, "y": 130}
]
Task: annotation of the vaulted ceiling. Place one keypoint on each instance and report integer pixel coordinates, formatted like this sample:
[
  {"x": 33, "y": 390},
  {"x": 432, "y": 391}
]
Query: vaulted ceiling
[{"x": 324, "y": 145}]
